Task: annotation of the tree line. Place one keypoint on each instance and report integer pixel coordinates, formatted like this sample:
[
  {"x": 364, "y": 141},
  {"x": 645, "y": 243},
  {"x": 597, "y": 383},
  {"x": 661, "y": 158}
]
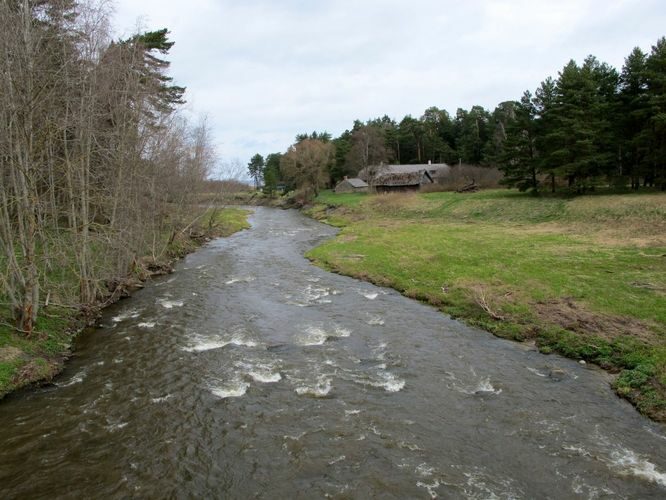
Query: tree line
[
  {"x": 592, "y": 125},
  {"x": 96, "y": 163}
]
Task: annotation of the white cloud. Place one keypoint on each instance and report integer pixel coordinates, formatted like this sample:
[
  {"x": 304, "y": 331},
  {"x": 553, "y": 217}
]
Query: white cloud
[{"x": 265, "y": 70}]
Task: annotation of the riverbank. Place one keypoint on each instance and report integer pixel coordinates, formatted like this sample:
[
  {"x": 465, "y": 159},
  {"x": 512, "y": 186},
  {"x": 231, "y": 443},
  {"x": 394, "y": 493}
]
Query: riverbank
[
  {"x": 584, "y": 277},
  {"x": 39, "y": 358}
]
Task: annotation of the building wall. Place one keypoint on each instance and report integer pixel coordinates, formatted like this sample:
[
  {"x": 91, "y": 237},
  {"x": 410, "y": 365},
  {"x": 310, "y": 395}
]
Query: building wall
[{"x": 397, "y": 189}]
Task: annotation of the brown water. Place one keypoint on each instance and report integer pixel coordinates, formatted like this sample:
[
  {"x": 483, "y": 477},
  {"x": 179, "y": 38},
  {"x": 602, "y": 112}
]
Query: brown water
[{"x": 251, "y": 373}]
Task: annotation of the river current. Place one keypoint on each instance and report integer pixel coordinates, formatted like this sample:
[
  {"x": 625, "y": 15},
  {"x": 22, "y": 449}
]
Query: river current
[{"x": 251, "y": 373}]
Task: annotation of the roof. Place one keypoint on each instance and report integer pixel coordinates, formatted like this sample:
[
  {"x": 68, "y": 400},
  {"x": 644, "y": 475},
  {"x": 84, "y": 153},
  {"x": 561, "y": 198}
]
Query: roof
[
  {"x": 435, "y": 169},
  {"x": 409, "y": 177},
  {"x": 357, "y": 183}
]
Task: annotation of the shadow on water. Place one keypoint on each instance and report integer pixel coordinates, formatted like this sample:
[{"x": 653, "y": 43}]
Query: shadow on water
[{"x": 249, "y": 372}]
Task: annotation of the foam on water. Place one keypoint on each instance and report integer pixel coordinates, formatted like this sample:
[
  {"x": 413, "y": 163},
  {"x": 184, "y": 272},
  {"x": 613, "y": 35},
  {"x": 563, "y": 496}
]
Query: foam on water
[
  {"x": 580, "y": 487},
  {"x": 246, "y": 279},
  {"x": 311, "y": 295},
  {"x": 431, "y": 488},
  {"x": 162, "y": 399},
  {"x": 232, "y": 389},
  {"x": 265, "y": 377},
  {"x": 260, "y": 372},
  {"x": 317, "y": 335},
  {"x": 318, "y": 390},
  {"x": 131, "y": 314},
  {"x": 481, "y": 386},
  {"x": 241, "y": 340},
  {"x": 147, "y": 324},
  {"x": 206, "y": 345},
  {"x": 622, "y": 460},
  {"x": 626, "y": 461},
  {"x": 390, "y": 382},
  {"x": 313, "y": 336},
  {"x": 239, "y": 337},
  {"x": 485, "y": 386},
  {"x": 115, "y": 427},
  {"x": 481, "y": 484},
  {"x": 375, "y": 320},
  {"x": 424, "y": 470},
  {"x": 170, "y": 304},
  {"x": 536, "y": 372},
  {"x": 385, "y": 380},
  {"x": 76, "y": 379},
  {"x": 380, "y": 351}
]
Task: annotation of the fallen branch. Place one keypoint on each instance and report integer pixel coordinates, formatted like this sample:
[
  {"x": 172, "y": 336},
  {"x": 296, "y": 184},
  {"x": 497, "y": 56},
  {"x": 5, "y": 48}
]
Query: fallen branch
[{"x": 479, "y": 295}]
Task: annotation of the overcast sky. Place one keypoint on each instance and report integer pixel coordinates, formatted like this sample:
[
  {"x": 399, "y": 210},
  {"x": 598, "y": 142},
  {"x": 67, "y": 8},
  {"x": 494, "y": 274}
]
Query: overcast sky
[{"x": 264, "y": 71}]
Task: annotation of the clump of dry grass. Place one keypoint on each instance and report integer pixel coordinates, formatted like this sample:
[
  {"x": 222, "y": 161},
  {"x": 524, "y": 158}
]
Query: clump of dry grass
[{"x": 390, "y": 203}]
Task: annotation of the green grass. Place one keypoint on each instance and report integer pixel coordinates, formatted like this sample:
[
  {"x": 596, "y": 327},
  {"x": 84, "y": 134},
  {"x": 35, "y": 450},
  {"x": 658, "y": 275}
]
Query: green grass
[
  {"x": 585, "y": 277},
  {"x": 347, "y": 199},
  {"x": 24, "y": 360},
  {"x": 227, "y": 221}
]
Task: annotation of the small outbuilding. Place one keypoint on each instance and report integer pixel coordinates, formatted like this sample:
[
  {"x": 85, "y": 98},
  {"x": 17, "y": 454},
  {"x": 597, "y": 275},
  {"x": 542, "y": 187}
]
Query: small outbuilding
[
  {"x": 386, "y": 178},
  {"x": 351, "y": 186},
  {"x": 402, "y": 178}
]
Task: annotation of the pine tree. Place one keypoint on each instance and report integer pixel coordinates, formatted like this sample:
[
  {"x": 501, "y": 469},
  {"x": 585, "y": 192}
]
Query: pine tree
[
  {"x": 518, "y": 157},
  {"x": 580, "y": 132},
  {"x": 634, "y": 133},
  {"x": 256, "y": 169},
  {"x": 655, "y": 76}
]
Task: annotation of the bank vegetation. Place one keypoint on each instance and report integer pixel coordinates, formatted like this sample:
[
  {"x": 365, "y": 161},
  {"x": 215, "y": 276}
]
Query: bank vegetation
[{"x": 100, "y": 173}]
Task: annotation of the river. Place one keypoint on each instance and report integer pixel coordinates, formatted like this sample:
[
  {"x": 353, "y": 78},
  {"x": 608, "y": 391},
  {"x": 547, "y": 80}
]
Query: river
[{"x": 251, "y": 373}]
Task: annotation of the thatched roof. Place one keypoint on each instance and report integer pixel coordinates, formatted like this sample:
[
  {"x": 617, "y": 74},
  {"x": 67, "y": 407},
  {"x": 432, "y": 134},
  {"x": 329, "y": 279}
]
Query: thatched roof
[
  {"x": 357, "y": 183},
  {"x": 405, "y": 175},
  {"x": 409, "y": 177}
]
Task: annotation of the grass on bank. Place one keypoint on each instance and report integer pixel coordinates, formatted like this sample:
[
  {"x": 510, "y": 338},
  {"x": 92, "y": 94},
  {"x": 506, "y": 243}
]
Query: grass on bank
[
  {"x": 582, "y": 276},
  {"x": 40, "y": 357}
]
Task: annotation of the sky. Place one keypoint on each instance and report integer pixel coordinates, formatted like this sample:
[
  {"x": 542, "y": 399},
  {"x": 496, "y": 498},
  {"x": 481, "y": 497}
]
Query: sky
[{"x": 263, "y": 71}]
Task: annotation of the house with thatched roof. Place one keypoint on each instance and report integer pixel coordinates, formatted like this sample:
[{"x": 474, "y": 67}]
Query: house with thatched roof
[
  {"x": 387, "y": 178},
  {"x": 351, "y": 186}
]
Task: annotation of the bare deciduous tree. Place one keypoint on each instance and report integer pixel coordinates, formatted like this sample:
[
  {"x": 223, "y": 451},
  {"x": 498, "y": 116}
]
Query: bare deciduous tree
[
  {"x": 307, "y": 162},
  {"x": 97, "y": 167}
]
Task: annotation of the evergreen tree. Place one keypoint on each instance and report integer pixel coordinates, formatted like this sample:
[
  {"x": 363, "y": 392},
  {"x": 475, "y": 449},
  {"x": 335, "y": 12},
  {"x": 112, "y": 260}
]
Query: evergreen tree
[
  {"x": 473, "y": 132},
  {"x": 655, "y": 77},
  {"x": 410, "y": 136},
  {"x": 634, "y": 135},
  {"x": 438, "y": 136},
  {"x": 340, "y": 167},
  {"x": 256, "y": 169},
  {"x": 272, "y": 174},
  {"x": 518, "y": 157},
  {"x": 504, "y": 114},
  {"x": 580, "y": 132},
  {"x": 545, "y": 139}
]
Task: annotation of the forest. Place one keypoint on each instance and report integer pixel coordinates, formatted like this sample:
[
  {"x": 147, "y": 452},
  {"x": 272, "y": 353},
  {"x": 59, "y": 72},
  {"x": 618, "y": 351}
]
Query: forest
[
  {"x": 98, "y": 165},
  {"x": 592, "y": 126}
]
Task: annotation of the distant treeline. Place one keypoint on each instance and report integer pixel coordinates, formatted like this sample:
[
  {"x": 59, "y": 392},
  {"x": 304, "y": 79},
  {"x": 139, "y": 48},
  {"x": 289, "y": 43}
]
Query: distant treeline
[
  {"x": 96, "y": 165},
  {"x": 592, "y": 125}
]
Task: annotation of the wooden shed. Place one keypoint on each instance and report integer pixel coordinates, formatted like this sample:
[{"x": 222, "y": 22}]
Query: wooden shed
[
  {"x": 351, "y": 186},
  {"x": 402, "y": 178}
]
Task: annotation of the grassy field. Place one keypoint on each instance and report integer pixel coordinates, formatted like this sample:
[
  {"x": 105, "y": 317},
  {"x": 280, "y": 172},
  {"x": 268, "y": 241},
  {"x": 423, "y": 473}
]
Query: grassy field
[
  {"x": 24, "y": 361},
  {"x": 582, "y": 276}
]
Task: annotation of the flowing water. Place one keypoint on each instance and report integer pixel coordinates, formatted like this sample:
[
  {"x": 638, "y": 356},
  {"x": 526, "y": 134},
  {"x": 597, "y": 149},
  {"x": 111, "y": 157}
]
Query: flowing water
[{"x": 251, "y": 373}]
